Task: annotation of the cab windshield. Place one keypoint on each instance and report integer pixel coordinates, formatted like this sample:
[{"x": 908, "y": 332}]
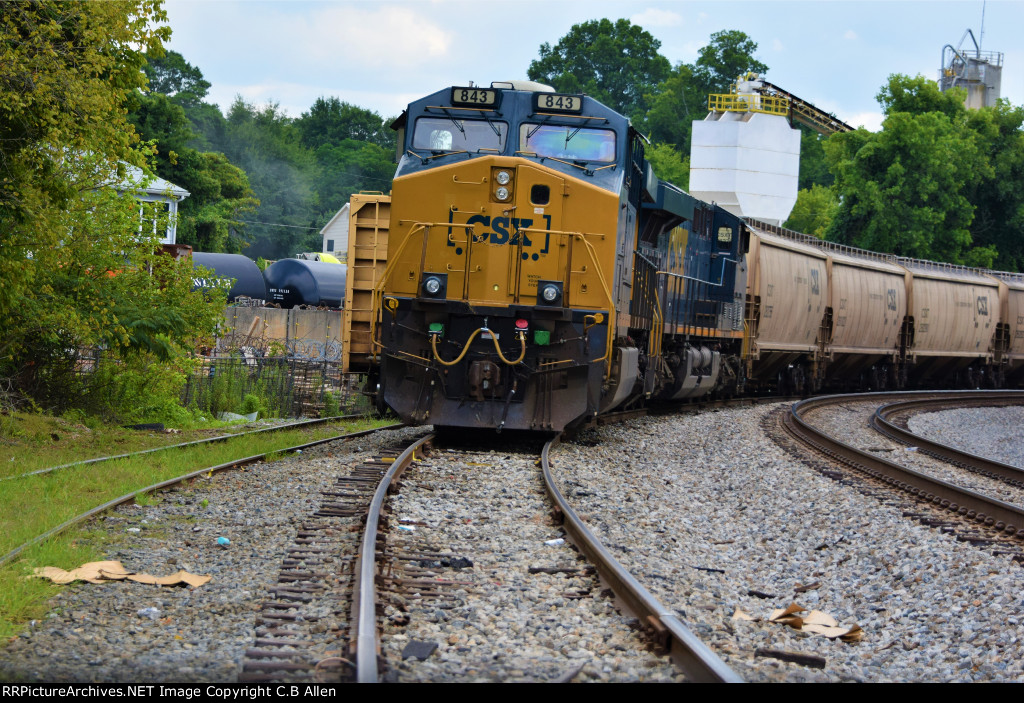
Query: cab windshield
[
  {"x": 445, "y": 134},
  {"x": 570, "y": 143}
]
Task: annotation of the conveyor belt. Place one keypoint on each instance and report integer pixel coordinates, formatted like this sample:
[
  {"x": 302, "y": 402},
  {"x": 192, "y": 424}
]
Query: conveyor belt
[{"x": 803, "y": 112}]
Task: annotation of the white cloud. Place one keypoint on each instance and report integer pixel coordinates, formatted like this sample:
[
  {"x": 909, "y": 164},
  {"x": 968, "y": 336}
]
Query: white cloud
[
  {"x": 871, "y": 121},
  {"x": 850, "y": 34},
  {"x": 378, "y": 37},
  {"x": 652, "y": 17}
]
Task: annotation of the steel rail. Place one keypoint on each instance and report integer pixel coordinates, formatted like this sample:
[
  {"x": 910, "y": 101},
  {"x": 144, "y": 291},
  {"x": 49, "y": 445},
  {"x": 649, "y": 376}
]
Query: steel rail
[
  {"x": 237, "y": 463},
  {"x": 974, "y": 506},
  {"x": 990, "y": 467},
  {"x": 694, "y": 657},
  {"x": 181, "y": 445},
  {"x": 366, "y": 635}
]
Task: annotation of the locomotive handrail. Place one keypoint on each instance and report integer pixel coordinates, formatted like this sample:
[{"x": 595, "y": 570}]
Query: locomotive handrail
[
  {"x": 378, "y": 292},
  {"x": 721, "y": 275},
  {"x": 607, "y": 358}
]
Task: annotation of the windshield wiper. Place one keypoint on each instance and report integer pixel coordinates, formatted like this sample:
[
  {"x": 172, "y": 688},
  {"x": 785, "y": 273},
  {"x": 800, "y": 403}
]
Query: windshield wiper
[
  {"x": 455, "y": 122},
  {"x": 435, "y": 154},
  {"x": 569, "y": 135}
]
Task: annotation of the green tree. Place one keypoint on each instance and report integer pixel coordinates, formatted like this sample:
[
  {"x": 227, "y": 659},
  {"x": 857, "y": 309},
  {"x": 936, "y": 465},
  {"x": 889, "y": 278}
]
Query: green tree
[
  {"x": 813, "y": 164},
  {"x": 904, "y": 190},
  {"x": 998, "y": 195},
  {"x": 68, "y": 69},
  {"x": 683, "y": 96},
  {"x": 669, "y": 165},
  {"x": 173, "y": 76},
  {"x": 675, "y": 104},
  {"x": 917, "y": 95},
  {"x": 728, "y": 55},
  {"x": 938, "y": 182},
  {"x": 219, "y": 192},
  {"x": 77, "y": 270},
  {"x": 331, "y": 121},
  {"x": 283, "y": 173},
  {"x": 617, "y": 63},
  {"x": 814, "y": 210},
  {"x": 349, "y": 167}
]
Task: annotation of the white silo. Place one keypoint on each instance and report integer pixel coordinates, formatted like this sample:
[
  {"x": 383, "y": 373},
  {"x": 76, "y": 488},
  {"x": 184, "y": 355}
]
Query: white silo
[{"x": 745, "y": 156}]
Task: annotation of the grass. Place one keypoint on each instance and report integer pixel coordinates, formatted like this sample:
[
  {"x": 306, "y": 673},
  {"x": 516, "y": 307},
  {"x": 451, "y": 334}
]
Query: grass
[
  {"x": 31, "y": 505},
  {"x": 29, "y": 442}
]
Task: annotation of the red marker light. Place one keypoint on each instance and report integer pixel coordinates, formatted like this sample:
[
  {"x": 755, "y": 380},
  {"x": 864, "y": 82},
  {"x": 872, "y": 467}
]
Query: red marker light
[{"x": 522, "y": 324}]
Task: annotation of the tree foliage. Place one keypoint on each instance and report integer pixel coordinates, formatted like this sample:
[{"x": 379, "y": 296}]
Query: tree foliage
[
  {"x": 938, "y": 182},
  {"x": 77, "y": 271},
  {"x": 617, "y": 63},
  {"x": 67, "y": 71},
  {"x": 670, "y": 165},
  {"x": 814, "y": 210},
  {"x": 728, "y": 55},
  {"x": 331, "y": 121},
  {"x": 219, "y": 192}
]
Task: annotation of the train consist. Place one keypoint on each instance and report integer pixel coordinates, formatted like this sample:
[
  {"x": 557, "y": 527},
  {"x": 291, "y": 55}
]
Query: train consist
[
  {"x": 537, "y": 273},
  {"x": 532, "y": 272}
]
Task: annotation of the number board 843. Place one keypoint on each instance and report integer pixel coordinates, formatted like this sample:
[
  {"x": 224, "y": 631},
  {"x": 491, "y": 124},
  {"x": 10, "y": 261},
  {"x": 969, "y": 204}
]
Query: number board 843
[
  {"x": 557, "y": 102},
  {"x": 475, "y": 97}
]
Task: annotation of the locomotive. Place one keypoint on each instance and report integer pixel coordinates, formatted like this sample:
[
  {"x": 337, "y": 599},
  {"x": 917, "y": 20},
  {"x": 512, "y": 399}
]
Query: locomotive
[{"x": 537, "y": 274}]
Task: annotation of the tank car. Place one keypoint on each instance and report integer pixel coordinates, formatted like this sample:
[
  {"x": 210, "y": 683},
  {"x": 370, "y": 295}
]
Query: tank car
[
  {"x": 539, "y": 273},
  {"x": 294, "y": 282},
  {"x": 246, "y": 277}
]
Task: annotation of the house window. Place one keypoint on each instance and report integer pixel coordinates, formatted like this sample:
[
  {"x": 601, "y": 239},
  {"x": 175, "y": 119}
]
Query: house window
[
  {"x": 154, "y": 218},
  {"x": 330, "y": 245}
]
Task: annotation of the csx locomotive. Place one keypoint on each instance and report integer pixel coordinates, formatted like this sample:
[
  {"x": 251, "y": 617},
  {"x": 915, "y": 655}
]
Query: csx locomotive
[{"x": 538, "y": 274}]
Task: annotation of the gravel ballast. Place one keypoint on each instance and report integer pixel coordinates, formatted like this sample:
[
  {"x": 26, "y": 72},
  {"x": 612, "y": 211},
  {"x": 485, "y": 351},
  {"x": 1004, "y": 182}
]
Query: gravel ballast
[
  {"x": 719, "y": 518},
  {"x": 710, "y": 515}
]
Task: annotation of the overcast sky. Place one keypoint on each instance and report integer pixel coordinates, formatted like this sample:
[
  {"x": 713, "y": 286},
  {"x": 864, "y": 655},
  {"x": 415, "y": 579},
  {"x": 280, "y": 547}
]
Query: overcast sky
[{"x": 383, "y": 54}]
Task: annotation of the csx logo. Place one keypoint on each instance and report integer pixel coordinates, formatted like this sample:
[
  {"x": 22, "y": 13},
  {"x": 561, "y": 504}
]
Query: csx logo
[
  {"x": 983, "y": 305},
  {"x": 502, "y": 230}
]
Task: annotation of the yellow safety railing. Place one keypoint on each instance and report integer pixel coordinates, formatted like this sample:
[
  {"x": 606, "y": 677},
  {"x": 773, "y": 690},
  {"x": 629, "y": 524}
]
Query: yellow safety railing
[{"x": 734, "y": 102}]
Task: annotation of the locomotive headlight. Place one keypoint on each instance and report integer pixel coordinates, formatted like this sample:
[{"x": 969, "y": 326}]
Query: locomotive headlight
[
  {"x": 549, "y": 292},
  {"x": 503, "y": 177},
  {"x": 434, "y": 285},
  {"x": 501, "y": 193}
]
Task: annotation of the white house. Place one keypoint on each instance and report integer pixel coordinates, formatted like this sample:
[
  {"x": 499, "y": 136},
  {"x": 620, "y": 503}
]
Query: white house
[
  {"x": 159, "y": 200},
  {"x": 335, "y": 235}
]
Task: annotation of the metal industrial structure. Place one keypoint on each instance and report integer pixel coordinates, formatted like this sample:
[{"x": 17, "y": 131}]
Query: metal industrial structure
[
  {"x": 745, "y": 154},
  {"x": 979, "y": 72}
]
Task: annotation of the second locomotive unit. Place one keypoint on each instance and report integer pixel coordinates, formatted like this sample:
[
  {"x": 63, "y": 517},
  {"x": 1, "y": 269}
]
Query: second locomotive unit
[{"x": 532, "y": 255}]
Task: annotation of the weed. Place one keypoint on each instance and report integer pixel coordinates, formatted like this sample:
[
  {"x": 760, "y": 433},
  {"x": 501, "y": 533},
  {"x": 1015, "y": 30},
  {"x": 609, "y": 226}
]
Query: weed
[
  {"x": 203, "y": 503},
  {"x": 144, "y": 499}
]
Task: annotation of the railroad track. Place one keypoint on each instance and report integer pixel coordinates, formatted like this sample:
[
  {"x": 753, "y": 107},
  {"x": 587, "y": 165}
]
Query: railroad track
[
  {"x": 970, "y": 514},
  {"x": 320, "y": 624},
  {"x": 177, "y": 480},
  {"x": 421, "y": 577}
]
